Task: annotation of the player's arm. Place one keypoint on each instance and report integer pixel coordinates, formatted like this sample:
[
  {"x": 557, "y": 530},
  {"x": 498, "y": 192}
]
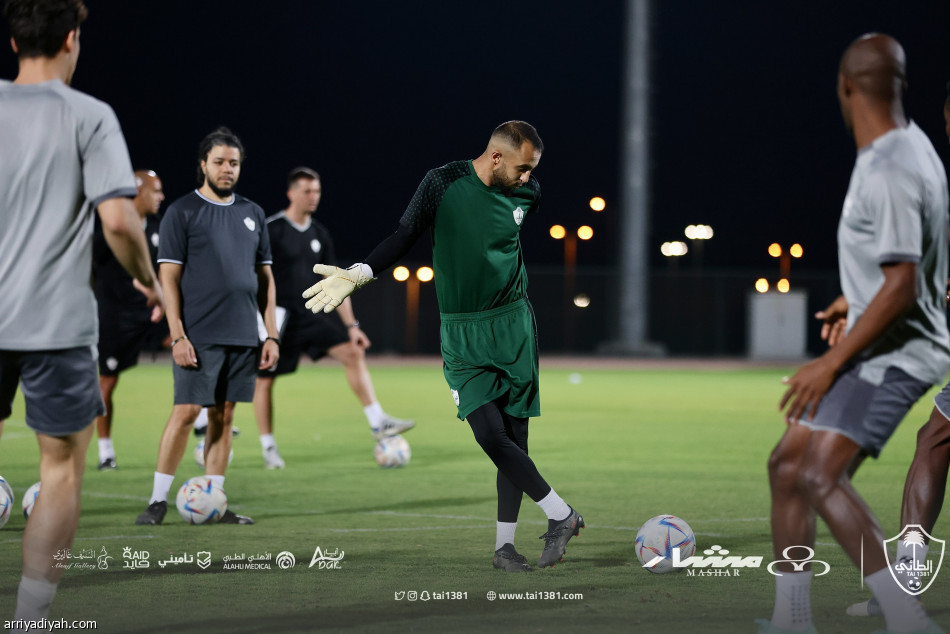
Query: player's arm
[
  {"x": 182, "y": 351},
  {"x": 811, "y": 382},
  {"x": 267, "y": 303},
  {"x": 123, "y": 232}
]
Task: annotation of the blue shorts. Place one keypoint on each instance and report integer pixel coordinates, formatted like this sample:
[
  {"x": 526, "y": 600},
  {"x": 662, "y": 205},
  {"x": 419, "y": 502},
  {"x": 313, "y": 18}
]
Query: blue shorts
[
  {"x": 60, "y": 388},
  {"x": 224, "y": 373},
  {"x": 867, "y": 413}
]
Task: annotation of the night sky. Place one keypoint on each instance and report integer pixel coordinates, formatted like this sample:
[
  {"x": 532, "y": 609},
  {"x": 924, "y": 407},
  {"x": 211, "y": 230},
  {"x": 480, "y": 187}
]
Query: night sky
[{"x": 746, "y": 131}]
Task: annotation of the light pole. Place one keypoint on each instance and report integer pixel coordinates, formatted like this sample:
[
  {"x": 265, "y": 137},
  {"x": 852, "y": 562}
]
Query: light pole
[
  {"x": 698, "y": 234},
  {"x": 673, "y": 251},
  {"x": 785, "y": 263},
  {"x": 558, "y": 232},
  {"x": 402, "y": 274}
]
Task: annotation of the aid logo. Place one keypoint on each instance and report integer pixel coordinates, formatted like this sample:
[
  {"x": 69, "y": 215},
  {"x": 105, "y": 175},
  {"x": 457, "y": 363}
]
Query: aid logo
[
  {"x": 798, "y": 565},
  {"x": 916, "y": 573}
]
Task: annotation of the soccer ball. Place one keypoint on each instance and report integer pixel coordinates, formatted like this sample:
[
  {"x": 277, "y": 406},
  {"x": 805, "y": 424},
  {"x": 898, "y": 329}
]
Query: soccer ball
[
  {"x": 200, "y": 500},
  {"x": 6, "y": 487},
  {"x": 392, "y": 452},
  {"x": 6, "y": 503},
  {"x": 659, "y": 536},
  {"x": 29, "y": 499},
  {"x": 200, "y": 454}
]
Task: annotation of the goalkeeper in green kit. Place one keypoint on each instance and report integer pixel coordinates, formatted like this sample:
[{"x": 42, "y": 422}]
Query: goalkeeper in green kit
[{"x": 473, "y": 211}]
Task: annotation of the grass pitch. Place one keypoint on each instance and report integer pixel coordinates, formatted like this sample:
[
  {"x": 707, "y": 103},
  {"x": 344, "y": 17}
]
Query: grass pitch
[{"x": 621, "y": 445}]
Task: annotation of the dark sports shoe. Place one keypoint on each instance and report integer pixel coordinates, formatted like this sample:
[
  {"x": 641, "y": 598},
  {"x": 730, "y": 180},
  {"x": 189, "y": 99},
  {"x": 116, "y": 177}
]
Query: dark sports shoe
[
  {"x": 108, "y": 464},
  {"x": 555, "y": 540},
  {"x": 510, "y": 560},
  {"x": 230, "y": 517},
  {"x": 154, "y": 514}
]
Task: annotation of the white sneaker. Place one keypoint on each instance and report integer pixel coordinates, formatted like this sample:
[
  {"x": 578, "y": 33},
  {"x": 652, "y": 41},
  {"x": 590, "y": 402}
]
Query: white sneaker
[
  {"x": 272, "y": 459},
  {"x": 865, "y": 608},
  {"x": 392, "y": 427}
]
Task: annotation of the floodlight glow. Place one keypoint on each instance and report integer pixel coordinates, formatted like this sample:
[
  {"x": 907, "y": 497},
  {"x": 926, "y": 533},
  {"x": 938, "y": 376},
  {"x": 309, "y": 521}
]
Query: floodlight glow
[
  {"x": 762, "y": 285},
  {"x": 585, "y": 233},
  {"x": 597, "y": 203},
  {"x": 673, "y": 249},
  {"x": 582, "y": 300},
  {"x": 775, "y": 250},
  {"x": 425, "y": 274},
  {"x": 557, "y": 232},
  {"x": 796, "y": 250},
  {"x": 782, "y": 285},
  {"x": 401, "y": 273}
]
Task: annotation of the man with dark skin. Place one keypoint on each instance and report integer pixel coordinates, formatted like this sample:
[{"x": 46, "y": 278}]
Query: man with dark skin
[
  {"x": 926, "y": 481},
  {"x": 893, "y": 256}
]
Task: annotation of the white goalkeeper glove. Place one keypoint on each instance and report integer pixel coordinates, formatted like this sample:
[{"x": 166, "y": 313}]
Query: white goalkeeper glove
[{"x": 338, "y": 284}]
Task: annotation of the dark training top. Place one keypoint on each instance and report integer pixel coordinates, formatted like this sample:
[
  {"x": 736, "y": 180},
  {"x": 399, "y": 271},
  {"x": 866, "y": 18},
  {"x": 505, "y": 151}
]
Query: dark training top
[
  {"x": 113, "y": 285},
  {"x": 220, "y": 247},
  {"x": 295, "y": 250},
  {"x": 476, "y": 251}
]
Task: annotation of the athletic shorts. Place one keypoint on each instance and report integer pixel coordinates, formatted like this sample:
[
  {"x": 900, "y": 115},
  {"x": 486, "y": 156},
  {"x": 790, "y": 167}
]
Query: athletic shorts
[
  {"x": 121, "y": 338},
  {"x": 308, "y": 334},
  {"x": 224, "y": 373},
  {"x": 867, "y": 413},
  {"x": 60, "y": 388},
  {"x": 492, "y": 353},
  {"x": 942, "y": 401}
]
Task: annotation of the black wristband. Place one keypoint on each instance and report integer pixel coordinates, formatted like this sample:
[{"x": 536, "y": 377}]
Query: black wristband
[{"x": 274, "y": 339}]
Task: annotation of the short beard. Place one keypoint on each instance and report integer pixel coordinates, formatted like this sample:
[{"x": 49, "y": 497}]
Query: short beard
[
  {"x": 506, "y": 188},
  {"x": 220, "y": 192}
]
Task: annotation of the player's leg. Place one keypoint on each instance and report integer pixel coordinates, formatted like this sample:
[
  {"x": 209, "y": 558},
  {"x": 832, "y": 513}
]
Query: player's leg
[
  {"x": 171, "y": 448},
  {"x": 488, "y": 426},
  {"x": 926, "y": 481},
  {"x": 264, "y": 413},
  {"x": 218, "y": 439},
  {"x": 107, "y": 384},
  {"x": 353, "y": 359},
  {"x": 509, "y": 505}
]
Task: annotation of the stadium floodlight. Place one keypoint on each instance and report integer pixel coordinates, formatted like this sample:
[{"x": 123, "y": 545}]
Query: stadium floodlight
[
  {"x": 598, "y": 204},
  {"x": 582, "y": 300},
  {"x": 401, "y": 273},
  {"x": 674, "y": 249},
  {"x": 425, "y": 274},
  {"x": 585, "y": 233},
  {"x": 775, "y": 250},
  {"x": 699, "y": 232},
  {"x": 796, "y": 250},
  {"x": 558, "y": 232},
  {"x": 782, "y": 285},
  {"x": 762, "y": 285}
]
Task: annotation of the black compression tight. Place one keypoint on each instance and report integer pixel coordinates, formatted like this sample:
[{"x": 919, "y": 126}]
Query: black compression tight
[{"x": 505, "y": 439}]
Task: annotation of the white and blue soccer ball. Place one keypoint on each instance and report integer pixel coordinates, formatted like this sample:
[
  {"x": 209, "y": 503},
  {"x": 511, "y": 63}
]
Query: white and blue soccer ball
[
  {"x": 200, "y": 454},
  {"x": 6, "y": 502},
  {"x": 659, "y": 537},
  {"x": 200, "y": 500},
  {"x": 29, "y": 499},
  {"x": 391, "y": 452}
]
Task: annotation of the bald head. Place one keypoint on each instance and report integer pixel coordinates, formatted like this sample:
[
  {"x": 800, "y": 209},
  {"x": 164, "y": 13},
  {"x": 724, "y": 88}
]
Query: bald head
[
  {"x": 150, "y": 196},
  {"x": 875, "y": 66}
]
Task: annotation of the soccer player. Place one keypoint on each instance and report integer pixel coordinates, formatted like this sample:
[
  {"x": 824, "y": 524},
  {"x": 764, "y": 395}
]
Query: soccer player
[
  {"x": 125, "y": 321},
  {"x": 214, "y": 264},
  {"x": 893, "y": 256},
  {"x": 297, "y": 240},
  {"x": 63, "y": 158},
  {"x": 473, "y": 210},
  {"x": 926, "y": 481}
]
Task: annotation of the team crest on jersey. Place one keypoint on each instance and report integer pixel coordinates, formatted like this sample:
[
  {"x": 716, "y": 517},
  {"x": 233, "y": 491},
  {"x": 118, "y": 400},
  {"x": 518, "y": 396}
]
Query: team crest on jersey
[
  {"x": 154, "y": 240},
  {"x": 249, "y": 224},
  {"x": 519, "y": 215},
  {"x": 315, "y": 245}
]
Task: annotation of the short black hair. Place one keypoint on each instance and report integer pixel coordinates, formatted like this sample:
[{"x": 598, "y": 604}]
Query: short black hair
[
  {"x": 517, "y": 132},
  {"x": 221, "y": 136},
  {"x": 301, "y": 172},
  {"x": 39, "y": 27}
]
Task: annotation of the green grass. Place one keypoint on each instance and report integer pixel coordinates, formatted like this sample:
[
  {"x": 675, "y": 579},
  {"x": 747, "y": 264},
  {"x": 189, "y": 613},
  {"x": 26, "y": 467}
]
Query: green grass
[{"x": 621, "y": 446}]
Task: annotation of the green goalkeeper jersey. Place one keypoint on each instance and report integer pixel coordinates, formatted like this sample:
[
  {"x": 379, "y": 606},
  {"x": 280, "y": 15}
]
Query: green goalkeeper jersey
[{"x": 476, "y": 250}]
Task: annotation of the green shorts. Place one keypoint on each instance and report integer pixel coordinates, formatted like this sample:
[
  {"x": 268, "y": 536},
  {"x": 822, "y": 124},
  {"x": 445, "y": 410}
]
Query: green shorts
[{"x": 492, "y": 353}]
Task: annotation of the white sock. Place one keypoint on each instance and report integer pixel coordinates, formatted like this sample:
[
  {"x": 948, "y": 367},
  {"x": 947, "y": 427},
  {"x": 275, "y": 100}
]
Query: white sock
[
  {"x": 915, "y": 553},
  {"x": 218, "y": 479},
  {"x": 267, "y": 441},
  {"x": 161, "y": 483},
  {"x": 105, "y": 449},
  {"x": 34, "y": 598},
  {"x": 792, "y": 609},
  {"x": 202, "y": 421},
  {"x": 505, "y": 533},
  {"x": 554, "y": 507},
  {"x": 901, "y": 612},
  {"x": 375, "y": 415}
]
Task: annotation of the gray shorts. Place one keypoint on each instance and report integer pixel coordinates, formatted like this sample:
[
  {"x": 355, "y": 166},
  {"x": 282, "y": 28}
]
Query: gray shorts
[
  {"x": 867, "y": 413},
  {"x": 224, "y": 373},
  {"x": 60, "y": 388},
  {"x": 942, "y": 401}
]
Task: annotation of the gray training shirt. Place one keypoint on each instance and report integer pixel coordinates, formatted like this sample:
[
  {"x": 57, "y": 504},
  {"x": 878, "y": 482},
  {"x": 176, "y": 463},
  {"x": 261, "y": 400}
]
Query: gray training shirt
[
  {"x": 896, "y": 211},
  {"x": 61, "y": 154}
]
